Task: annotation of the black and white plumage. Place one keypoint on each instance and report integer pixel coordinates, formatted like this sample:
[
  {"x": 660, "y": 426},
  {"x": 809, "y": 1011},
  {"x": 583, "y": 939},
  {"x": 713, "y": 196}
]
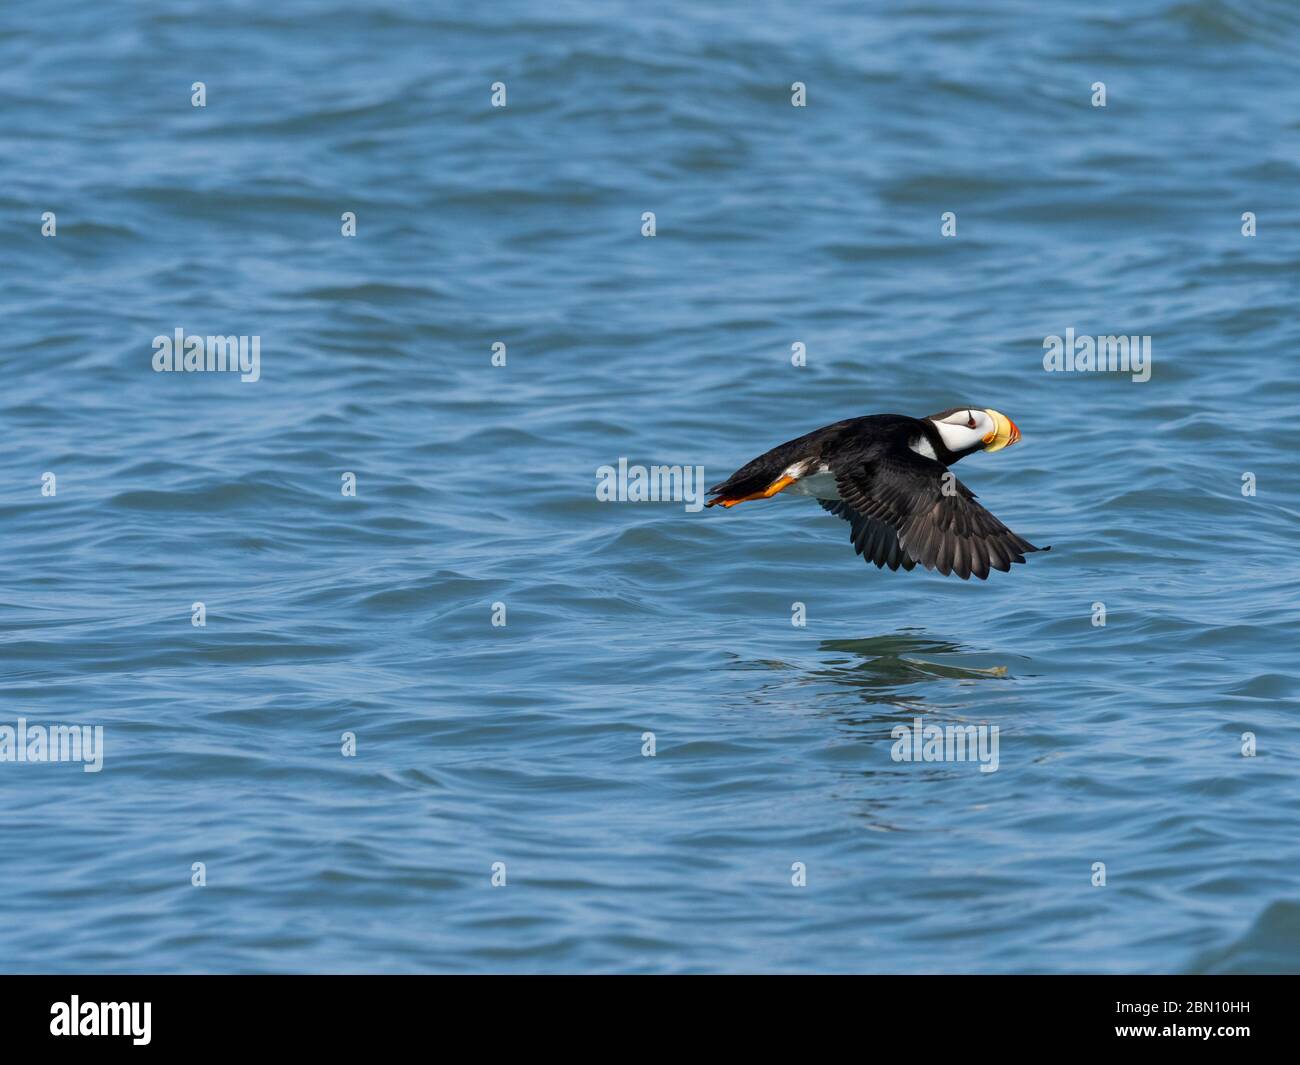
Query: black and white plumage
[{"x": 887, "y": 476}]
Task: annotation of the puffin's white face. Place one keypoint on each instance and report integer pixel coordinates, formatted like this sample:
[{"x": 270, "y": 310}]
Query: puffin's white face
[{"x": 966, "y": 428}]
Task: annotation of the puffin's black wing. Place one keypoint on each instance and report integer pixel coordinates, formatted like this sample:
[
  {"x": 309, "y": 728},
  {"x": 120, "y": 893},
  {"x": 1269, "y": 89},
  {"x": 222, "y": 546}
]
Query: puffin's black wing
[
  {"x": 932, "y": 515},
  {"x": 873, "y": 540}
]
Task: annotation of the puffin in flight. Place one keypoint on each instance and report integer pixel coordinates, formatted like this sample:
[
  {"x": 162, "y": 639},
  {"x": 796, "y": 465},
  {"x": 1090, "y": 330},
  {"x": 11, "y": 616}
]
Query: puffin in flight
[{"x": 887, "y": 476}]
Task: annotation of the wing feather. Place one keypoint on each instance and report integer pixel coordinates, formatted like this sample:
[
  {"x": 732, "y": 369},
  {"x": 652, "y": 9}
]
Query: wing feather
[
  {"x": 907, "y": 510},
  {"x": 874, "y": 540}
]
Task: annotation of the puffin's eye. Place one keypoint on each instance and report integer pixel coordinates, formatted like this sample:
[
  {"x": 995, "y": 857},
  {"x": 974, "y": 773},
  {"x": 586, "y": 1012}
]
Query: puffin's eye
[{"x": 970, "y": 424}]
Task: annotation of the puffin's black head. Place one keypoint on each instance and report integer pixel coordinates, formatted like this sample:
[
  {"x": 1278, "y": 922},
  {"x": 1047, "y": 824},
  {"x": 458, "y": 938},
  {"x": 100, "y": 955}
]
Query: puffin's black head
[{"x": 965, "y": 430}]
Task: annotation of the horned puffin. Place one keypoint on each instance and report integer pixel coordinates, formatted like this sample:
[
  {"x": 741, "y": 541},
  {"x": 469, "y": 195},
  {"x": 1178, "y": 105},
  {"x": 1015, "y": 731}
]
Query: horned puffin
[{"x": 887, "y": 476}]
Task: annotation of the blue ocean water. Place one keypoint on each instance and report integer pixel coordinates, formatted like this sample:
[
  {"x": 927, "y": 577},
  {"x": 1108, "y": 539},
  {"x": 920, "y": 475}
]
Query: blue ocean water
[{"x": 519, "y": 747}]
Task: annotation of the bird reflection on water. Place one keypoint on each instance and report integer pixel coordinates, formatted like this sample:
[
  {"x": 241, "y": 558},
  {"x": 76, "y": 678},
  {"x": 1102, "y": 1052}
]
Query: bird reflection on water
[{"x": 895, "y": 675}]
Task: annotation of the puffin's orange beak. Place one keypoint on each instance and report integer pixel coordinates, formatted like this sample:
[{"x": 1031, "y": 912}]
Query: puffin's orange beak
[{"x": 1004, "y": 432}]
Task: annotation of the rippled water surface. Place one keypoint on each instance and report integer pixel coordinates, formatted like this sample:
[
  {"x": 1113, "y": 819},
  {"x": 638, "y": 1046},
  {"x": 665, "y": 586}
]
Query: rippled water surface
[{"x": 522, "y": 744}]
